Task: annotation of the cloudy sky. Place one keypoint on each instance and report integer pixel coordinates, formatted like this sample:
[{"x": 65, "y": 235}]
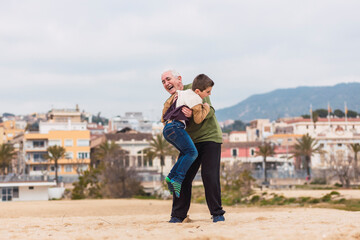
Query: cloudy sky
[{"x": 107, "y": 56}]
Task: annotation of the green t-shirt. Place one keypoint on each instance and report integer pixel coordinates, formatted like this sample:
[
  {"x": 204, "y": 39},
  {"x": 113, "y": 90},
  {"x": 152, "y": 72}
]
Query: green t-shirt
[{"x": 207, "y": 130}]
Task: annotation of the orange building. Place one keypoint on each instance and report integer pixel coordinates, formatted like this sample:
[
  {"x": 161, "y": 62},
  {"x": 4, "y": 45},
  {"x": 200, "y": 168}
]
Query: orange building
[
  {"x": 9, "y": 129},
  {"x": 63, "y": 128}
]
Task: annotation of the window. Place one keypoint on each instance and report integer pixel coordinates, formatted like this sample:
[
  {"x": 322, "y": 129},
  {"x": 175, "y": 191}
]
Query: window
[
  {"x": 68, "y": 168},
  {"x": 15, "y": 192},
  {"x": 52, "y": 168},
  {"x": 127, "y": 161},
  {"x": 38, "y": 144},
  {"x": 39, "y": 157},
  {"x": 234, "y": 152},
  {"x": 39, "y": 168},
  {"x": 8, "y": 193},
  {"x": 139, "y": 161},
  {"x": 54, "y": 142},
  {"x": 68, "y": 142},
  {"x": 83, "y": 142},
  {"x": 69, "y": 155},
  {"x": 83, "y": 155},
  {"x": 145, "y": 161},
  {"x": 83, "y": 167},
  {"x": 252, "y": 152}
]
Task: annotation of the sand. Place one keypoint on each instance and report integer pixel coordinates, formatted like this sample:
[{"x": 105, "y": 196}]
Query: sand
[{"x": 147, "y": 219}]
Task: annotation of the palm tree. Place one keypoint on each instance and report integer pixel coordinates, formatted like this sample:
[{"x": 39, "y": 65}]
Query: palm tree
[
  {"x": 265, "y": 150},
  {"x": 104, "y": 150},
  {"x": 355, "y": 147},
  {"x": 160, "y": 148},
  {"x": 306, "y": 146},
  {"x": 7, "y": 153},
  {"x": 54, "y": 154}
]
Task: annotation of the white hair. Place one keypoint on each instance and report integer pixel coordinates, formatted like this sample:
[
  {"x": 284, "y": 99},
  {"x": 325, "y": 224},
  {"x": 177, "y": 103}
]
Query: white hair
[{"x": 173, "y": 72}]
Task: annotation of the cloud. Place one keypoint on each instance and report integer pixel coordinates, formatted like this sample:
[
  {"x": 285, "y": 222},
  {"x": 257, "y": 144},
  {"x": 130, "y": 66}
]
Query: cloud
[{"x": 108, "y": 56}]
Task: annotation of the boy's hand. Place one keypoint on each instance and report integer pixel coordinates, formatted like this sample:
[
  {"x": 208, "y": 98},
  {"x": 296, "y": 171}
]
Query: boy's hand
[
  {"x": 206, "y": 104},
  {"x": 187, "y": 111}
]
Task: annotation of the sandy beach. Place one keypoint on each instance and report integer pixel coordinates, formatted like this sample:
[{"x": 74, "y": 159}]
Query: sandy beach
[{"x": 147, "y": 219}]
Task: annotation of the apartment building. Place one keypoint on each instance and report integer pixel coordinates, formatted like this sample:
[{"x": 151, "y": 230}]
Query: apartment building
[
  {"x": 135, "y": 143},
  {"x": 333, "y": 134},
  {"x": 10, "y": 129},
  {"x": 63, "y": 128},
  {"x": 133, "y": 120}
]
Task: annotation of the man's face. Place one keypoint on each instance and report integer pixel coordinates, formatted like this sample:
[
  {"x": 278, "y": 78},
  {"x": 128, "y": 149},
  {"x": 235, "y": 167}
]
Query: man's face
[{"x": 170, "y": 83}]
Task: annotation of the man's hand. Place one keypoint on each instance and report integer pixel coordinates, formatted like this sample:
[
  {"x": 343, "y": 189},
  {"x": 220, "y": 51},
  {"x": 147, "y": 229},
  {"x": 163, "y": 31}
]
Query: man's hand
[
  {"x": 206, "y": 104},
  {"x": 187, "y": 112}
]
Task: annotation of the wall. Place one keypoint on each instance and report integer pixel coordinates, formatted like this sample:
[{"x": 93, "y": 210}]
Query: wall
[{"x": 36, "y": 194}]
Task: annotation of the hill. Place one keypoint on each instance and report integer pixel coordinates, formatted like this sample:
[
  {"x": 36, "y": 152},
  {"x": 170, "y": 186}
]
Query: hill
[{"x": 293, "y": 102}]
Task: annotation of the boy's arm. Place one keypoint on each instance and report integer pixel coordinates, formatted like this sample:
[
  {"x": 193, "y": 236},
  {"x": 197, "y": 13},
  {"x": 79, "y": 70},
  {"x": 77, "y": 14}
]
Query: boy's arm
[
  {"x": 189, "y": 113},
  {"x": 200, "y": 112},
  {"x": 212, "y": 110}
]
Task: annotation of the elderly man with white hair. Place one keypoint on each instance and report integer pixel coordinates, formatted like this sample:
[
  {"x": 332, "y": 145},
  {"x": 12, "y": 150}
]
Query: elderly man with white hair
[{"x": 207, "y": 137}]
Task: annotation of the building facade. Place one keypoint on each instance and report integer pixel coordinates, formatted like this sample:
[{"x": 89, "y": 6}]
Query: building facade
[{"x": 63, "y": 128}]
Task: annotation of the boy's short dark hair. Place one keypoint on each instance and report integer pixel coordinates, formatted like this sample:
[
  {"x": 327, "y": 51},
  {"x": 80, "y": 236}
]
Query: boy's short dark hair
[{"x": 202, "y": 82}]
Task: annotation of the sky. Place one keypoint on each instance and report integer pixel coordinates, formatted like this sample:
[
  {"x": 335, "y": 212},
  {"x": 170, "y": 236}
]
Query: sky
[{"x": 108, "y": 56}]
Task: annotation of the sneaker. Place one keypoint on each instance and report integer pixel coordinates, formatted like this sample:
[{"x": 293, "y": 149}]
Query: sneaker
[
  {"x": 218, "y": 218},
  {"x": 175, "y": 220},
  {"x": 170, "y": 186}
]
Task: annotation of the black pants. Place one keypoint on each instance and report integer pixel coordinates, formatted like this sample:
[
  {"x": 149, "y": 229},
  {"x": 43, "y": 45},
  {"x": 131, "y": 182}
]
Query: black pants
[{"x": 209, "y": 159}]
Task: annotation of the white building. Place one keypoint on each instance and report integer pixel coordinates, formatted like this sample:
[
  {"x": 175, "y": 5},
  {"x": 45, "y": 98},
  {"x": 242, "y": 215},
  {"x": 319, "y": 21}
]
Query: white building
[
  {"x": 135, "y": 143},
  {"x": 238, "y": 136},
  {"x": 133, "y": 120},
  {"x": 333, "y": 134},
  {"x": 25, "y": 191}
]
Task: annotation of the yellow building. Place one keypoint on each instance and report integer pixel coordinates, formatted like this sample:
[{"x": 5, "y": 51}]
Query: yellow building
[
  {"x": 63, "y": 128},
  {"x": 75, "y": 142},
  {"x": 9, "y": 129}
]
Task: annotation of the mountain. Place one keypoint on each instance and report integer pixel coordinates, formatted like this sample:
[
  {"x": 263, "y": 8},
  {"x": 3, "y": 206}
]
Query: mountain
[{"x": 293, "y": 102}]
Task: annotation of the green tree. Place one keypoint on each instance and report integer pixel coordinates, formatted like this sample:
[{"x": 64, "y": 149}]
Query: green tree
[
  {"x": 54, "y": 154},
  {"x": 306, "y": 147},
  {"x": 120, "y": 180},
  {"x": 102, "y": 151},
  {"x": 355, "y": 148},
  {"x": 236, "y": 182},
  {"x": 339, "y": 113},
  {"x": 88, "y": 185},
  {"x": 352, "y": 114},
  {"x": 160, "y": 148},
  {"x": 7, "y": 153},
  {"x": 265, "y": 150},
  {"x": 236, "y": 126},
  {"x": 323, "y": 113}
]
